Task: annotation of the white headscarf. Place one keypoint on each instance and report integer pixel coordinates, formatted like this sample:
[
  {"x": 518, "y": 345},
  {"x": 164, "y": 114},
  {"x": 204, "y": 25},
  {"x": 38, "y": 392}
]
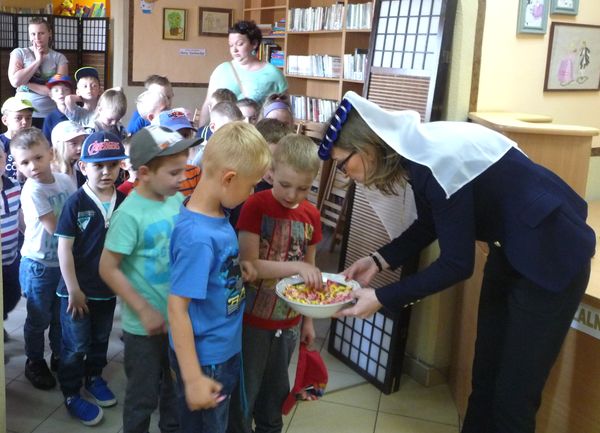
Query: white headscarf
[{"x": 455, "y": 152}]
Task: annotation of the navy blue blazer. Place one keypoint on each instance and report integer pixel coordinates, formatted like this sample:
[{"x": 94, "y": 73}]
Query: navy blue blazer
[{"x": 536, "y": 217}]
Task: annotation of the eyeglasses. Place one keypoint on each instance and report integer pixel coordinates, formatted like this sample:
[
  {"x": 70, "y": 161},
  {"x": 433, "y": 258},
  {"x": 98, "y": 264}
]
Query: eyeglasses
[
  {"x": 335, "y": 126},
  {"x": 341, "y": 166}
]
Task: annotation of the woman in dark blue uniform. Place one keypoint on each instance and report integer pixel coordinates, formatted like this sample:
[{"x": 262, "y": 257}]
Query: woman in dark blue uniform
[{"x": 471, "y": 183}]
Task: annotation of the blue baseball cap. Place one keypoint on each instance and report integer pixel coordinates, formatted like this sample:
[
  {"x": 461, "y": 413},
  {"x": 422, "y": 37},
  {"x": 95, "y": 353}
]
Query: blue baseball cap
[
  {"x": 102, "y": 146},
  {"x": 86, "y": 71},
  {"x": 174, "y": 119}
]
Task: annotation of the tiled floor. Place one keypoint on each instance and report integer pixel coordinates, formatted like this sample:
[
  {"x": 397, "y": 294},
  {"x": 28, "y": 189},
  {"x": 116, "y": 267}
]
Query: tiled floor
[{"x": 350, "y": 405}]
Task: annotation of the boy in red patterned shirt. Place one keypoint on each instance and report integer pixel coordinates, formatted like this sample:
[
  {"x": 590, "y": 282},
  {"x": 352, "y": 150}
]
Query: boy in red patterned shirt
[{"x": 278, "y": 232}]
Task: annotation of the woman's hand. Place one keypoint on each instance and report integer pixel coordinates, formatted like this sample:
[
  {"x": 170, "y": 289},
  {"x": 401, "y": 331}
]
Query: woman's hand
[
  {"x": 39, "y": 54},
  {"x": 363, "y": 270},
  {"x": 366, "y": 305}
]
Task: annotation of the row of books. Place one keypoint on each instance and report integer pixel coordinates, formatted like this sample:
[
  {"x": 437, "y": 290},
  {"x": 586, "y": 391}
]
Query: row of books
[
  {"x": 358, "y": 17},
  {"x": 276, "y": 29},
  {"x": 315, "y": 66},
  {"x": 312, "y": 109},
  {"x": 354, "y": 65},
  {"x": 277, "y": 58},
  {"x": 266, "y": 48},
  {"x": 314, "y": 19}
]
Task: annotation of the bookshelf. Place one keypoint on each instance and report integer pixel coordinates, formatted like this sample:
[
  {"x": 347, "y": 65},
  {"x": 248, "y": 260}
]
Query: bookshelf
[
  {"x": 336, "y": 30},
  {"x": 318, "y": 35}
]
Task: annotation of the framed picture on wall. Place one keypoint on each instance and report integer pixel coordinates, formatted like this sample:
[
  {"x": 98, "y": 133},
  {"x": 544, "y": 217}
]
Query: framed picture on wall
[
  {"x": 215, "y": 22},
  {"x": 573, "y": 62},
  {"x": 564, "y": 7},
  {"x": 174, "y": 24},
  {"x": 533, "y": 16}
]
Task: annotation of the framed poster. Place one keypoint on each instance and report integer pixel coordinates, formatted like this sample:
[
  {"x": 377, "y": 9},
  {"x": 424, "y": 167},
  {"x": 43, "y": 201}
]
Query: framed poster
[
  {"x": 533, "y": 16},
  {"x": 571, "y": 62},
  {"x": 564, "y": 7},
  {"x": 174, "y": 24},
  {"x": 214, "y": 22}
]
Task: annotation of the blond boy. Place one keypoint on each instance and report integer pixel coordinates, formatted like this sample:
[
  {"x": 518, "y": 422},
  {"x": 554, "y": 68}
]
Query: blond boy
[
  {"x": 206, "y": 303},
  {"x": 135, "y": 265},
  {"x": 278, "y": 233},
  {"x": 16, "y": 115}
]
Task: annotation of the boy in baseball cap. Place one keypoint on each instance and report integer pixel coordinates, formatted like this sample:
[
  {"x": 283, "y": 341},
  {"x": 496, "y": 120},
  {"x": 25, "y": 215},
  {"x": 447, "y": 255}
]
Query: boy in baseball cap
[
  {"x": 60, "y": 87},
  {"x": 87, "y": 93},
  {"x": 143, "y": 226},
  {"x": 177, "y": 120},
  {"x": 16, "y": 115},
  {"x": 87, "y": 303}
]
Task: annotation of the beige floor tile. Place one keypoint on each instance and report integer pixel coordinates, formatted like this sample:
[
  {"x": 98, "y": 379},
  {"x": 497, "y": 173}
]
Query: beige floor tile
[
  {"x": 61, "y": 421},
  {"x": 414, "y": 400},
  {"x": 362, "y": 396},
  {"x": 322, "y": 416},
  {"x": 338, "y": 381},
  {"x": 27, "y": 407},
  {"x": 387, "y": 423}
]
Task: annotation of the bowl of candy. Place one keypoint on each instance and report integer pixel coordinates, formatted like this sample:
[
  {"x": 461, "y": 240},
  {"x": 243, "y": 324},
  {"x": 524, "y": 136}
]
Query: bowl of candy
[{"x": 318, "y": 304}]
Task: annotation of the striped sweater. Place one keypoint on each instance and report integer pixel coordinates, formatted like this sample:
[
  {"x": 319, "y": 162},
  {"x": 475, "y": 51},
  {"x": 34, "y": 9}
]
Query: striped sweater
[{"x": 10, "y": 205}]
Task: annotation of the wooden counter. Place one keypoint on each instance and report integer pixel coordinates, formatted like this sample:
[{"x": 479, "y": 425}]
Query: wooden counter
[{"x": 571, "y": 400}]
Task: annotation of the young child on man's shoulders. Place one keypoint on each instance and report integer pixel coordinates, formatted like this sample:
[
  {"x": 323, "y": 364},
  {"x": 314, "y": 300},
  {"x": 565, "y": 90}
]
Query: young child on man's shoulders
[
  {"x": 87, "y": 303},
  {"x": 135, "y": 265},
  {"x": 42, "y": 199},
  {"x": 278, "y": 233},
  {"x": 207, "y": 293}
]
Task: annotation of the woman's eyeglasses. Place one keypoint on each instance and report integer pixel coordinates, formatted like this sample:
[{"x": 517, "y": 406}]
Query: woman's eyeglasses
[{"x": 341, "y": 166}]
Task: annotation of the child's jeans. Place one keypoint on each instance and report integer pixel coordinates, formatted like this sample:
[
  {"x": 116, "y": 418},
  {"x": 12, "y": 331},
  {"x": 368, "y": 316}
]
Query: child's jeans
[
  {"x": 267, "y": 355},
  {"x": 85, "y": 342},
  {"x": 209, "y": 420},
  {"x": 39, "y": 283},
  {"x": 149, "y": 384}
]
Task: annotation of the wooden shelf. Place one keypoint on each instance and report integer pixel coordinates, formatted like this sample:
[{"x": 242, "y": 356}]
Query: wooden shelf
[
  {"x": 348, "y": 80},
  {"x": 311, "y": 77},
  {"x": 358, "y": 30},
  {"x": 314, "y": 32},
  {"x": 266, "y": 8}
]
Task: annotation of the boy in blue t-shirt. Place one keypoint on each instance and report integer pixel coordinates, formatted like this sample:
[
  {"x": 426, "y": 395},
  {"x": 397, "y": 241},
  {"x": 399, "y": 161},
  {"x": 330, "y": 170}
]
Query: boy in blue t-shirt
[
  {"x": 135, "y": 265},
  {"x": 87, "y": 304},
  {"x": 206, "y": 302}
]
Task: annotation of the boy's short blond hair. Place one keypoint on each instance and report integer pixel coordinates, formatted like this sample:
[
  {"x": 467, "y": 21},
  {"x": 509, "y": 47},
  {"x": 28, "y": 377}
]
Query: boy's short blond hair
[
  {"x": 239, "y": 147},
  {"x": 27, "y": 138},
  {"x": 114, "y": 101},
  {"x": 148, "y": 102},
  {"x": 298, "y": 152}
]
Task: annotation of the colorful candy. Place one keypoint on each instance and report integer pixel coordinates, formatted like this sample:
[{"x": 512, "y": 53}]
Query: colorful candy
[{"x": 332, "y": 293}]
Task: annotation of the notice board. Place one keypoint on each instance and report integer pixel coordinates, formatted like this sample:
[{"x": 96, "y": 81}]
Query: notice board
[{"x": 188, "y": 61}]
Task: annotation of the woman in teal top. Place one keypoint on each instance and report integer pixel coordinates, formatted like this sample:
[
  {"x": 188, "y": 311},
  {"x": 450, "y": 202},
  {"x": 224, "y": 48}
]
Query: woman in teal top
[{"x": 244, "y": 75}]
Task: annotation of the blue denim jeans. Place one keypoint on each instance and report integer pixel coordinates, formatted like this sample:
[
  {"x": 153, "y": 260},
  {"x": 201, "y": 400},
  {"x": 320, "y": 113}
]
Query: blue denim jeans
[
  {"x": 209, "y": 420},
  {"x": 39, "y": 283},
  {"x": 85, "y": 342}
]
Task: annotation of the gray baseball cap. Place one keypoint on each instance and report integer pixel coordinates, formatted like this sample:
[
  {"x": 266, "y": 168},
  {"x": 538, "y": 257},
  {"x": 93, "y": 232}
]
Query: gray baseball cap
[{"x": 155, "y": 140}]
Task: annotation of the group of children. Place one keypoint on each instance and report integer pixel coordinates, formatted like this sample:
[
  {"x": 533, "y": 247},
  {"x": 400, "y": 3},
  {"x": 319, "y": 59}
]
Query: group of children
[{"x": 197, "y": 298}]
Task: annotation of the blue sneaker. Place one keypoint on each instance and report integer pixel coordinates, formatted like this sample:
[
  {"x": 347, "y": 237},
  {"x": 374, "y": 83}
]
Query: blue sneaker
[
  {"x": 98, "y": 388},
  {"x": 86, "y": 412}
]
